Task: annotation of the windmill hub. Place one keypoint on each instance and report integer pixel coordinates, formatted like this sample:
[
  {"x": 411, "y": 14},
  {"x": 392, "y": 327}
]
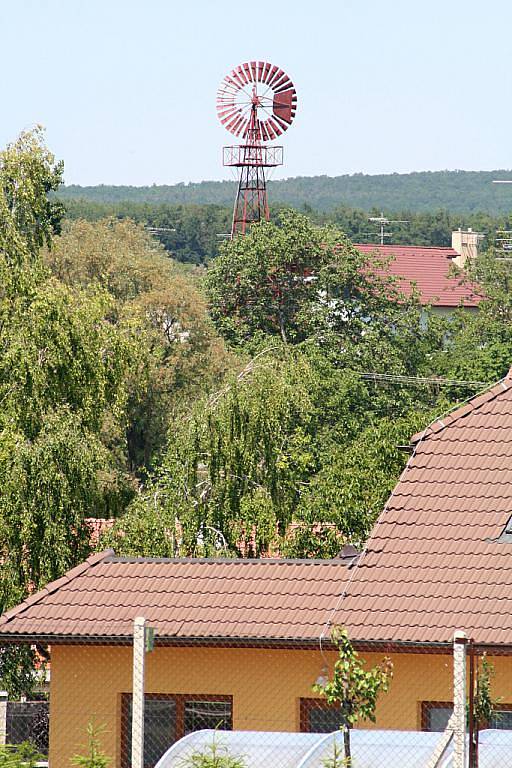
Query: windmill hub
[{"x": 256, "y": 102}]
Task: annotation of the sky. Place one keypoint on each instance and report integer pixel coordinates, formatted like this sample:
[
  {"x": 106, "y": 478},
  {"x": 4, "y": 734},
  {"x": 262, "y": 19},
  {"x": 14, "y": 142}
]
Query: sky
[{"x": 126, "y": 88}]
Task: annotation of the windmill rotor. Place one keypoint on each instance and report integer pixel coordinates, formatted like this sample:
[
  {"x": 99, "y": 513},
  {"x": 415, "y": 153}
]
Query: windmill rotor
[{"x": 257, "y": 96}]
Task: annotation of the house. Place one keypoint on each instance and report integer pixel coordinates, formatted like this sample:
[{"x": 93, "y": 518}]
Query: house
[
  {"x": 239, "y": 643},
  {"x": 431, "y": 271}
]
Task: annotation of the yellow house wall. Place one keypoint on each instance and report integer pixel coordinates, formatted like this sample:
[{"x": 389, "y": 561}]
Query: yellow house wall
[{"x": 266, "y": 686}]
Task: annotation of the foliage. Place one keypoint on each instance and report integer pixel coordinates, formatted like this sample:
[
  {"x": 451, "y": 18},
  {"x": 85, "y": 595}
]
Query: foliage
[
  {"x": 351, "y": 487},
  {"x": 62, "y": 373},
  {"x": 189, "y": 233},
  {"x": 215, "y": 755},
  {"x": 352, "y": 687},
  {"x": 459, "y": 191},
  {"x": 286, "y": 456},
  {"x": 487, "y": 333},
  {"x": 484, "y": 704},
  {"x": 336, "y": 759},
  {"x": 94, "y": 756},
  {"x": 17, "y": 669},
  {"x": 237, "y": 460},
  {"x": 160, "y": 308},
  {"x": 290, "y": 457},
  {"x": 23, "y": 755},
  {"x": 28, "y": 218},
  {"x": 298, "y": 281}
]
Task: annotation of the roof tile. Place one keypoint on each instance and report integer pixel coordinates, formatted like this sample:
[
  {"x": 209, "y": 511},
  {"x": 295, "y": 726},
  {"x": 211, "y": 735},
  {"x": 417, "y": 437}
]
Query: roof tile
[
  {"x": 427, "y": 269},
  {"x": 435, "y": 562},
  {"x": 253, "y": 599}
]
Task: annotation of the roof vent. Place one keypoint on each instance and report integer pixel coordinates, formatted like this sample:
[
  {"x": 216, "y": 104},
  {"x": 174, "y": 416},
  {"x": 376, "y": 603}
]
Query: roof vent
[{"x": 349, "y": 554}]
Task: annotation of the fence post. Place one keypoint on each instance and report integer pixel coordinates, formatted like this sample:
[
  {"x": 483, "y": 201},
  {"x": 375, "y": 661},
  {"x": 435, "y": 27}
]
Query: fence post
[
  {"x": 139, "y": 640},
  {"x": 459, "y": 699}
]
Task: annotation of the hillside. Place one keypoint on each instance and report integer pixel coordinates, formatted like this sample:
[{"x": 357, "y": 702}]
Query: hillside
[{"x": 456, "y": 191}]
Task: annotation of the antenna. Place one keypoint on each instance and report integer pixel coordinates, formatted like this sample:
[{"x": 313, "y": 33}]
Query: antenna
[
  {"x": 503, "y": 240},
  {"x": 158, "y": 230},
  {"x": 383, "y": 221}
]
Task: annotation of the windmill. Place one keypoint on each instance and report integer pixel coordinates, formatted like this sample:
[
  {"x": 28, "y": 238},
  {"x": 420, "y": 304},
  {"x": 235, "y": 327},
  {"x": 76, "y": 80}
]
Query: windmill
[{"x": 256, "y": 102}]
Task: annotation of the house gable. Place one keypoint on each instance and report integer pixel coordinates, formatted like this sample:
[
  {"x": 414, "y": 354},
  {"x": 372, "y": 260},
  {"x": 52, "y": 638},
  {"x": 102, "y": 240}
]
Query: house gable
[{"x": 437, "y": 561}]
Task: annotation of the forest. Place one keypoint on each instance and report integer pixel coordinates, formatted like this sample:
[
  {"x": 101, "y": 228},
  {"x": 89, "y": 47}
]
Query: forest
[
  {"x": 193, "y": 233},
  {"x": 221, "y": 410},
  {"x": 425, "y": 191}
]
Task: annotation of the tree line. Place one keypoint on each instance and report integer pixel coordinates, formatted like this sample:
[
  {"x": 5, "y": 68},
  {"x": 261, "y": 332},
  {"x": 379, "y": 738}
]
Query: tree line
[
  {"x": 424, "y": 191},
  {"x": 193, "y": 233}
]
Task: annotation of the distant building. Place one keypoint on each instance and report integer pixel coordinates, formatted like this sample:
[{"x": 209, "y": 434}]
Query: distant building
[{"x": 430, "y": 270}]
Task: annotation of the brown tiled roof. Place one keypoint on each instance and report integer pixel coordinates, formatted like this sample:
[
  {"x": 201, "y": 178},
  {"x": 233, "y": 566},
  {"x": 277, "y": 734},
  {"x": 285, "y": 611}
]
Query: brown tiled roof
[
  {"x": 429, "y": 270},
  {"x": 184, "y": 598},
  {"x": 437, "y": 560}
]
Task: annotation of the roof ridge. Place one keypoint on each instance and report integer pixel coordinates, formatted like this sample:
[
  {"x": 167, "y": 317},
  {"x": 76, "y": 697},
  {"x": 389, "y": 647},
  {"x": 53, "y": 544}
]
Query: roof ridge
[
  {"x": 464, "y": 409},
  {"x": 53, "y": 586},
  {"x": 230, "y": 560},
  {"x": 412, "y": 247}
]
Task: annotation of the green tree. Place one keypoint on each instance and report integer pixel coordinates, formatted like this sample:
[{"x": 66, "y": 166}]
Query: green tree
[
  {"x": 94, "y": 756},
  {"x": 352, "y": 687},
  {"x": 479, "y": 345},
  {"x": 294, "y": 456},
  {"x": 62, "y": 372},
  {"x": 160, "y": 306},
  {"x": 295, "y": 280},
  {"x": 28, "y": 218}
]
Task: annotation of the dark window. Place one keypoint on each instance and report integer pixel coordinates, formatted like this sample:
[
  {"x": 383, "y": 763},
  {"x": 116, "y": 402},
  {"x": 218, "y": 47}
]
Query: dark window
[
  {"x": 435, "y": 715},
  {"x": 169, "y": 717},
  {"x": 502, "y": 718},
  {"x": 317, "y": 716},
  {"x": 207, "y": 714}
]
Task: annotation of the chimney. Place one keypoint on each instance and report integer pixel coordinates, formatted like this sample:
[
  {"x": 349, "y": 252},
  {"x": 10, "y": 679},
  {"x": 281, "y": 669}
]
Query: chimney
[{"x": 465, "y": 242}]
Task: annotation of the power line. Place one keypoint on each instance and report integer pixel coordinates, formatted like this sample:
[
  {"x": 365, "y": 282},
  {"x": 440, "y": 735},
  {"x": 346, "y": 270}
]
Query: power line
[{"x": 419, "y": 380}]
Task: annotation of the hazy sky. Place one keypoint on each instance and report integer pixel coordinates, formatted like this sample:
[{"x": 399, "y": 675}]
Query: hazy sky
[{"x": 126, "y": 88}]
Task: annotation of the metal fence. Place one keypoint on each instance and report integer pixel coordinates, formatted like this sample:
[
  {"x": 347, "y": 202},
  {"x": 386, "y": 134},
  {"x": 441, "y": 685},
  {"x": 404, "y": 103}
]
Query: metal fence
[{"x": 235, "y": 705}]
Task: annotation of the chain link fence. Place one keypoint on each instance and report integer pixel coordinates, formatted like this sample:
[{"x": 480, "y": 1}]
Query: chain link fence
[
  {"x": 223, "y": 704},
  {"x": 233, "y": 705}
]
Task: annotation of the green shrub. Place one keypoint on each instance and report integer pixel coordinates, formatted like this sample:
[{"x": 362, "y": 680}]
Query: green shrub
[
  {"x": 94, "y": 756},
  {"x": 23, "y": 755},
  {"x": 214, "y": 755}
]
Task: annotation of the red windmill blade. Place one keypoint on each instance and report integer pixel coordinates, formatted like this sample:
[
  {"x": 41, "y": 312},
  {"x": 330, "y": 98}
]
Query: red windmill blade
[
  {"x": 256, "y": 102},
  {"x": 259, "y": 87}
]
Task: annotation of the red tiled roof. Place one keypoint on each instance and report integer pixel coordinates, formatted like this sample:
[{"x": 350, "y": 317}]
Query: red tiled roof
[
  {"x": 437, "y": 560},
  {"x": 428, "y": 269},
  {"x": 187, "y": 598}
]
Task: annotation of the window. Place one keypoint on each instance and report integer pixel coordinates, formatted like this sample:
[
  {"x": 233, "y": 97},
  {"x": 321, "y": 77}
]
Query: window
[
  {"x": 502, "y": 718},
  {"x": 168, "y": 717},
  {"x": 435, "y": 715},
  {"x": 317, "y": 716}
]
